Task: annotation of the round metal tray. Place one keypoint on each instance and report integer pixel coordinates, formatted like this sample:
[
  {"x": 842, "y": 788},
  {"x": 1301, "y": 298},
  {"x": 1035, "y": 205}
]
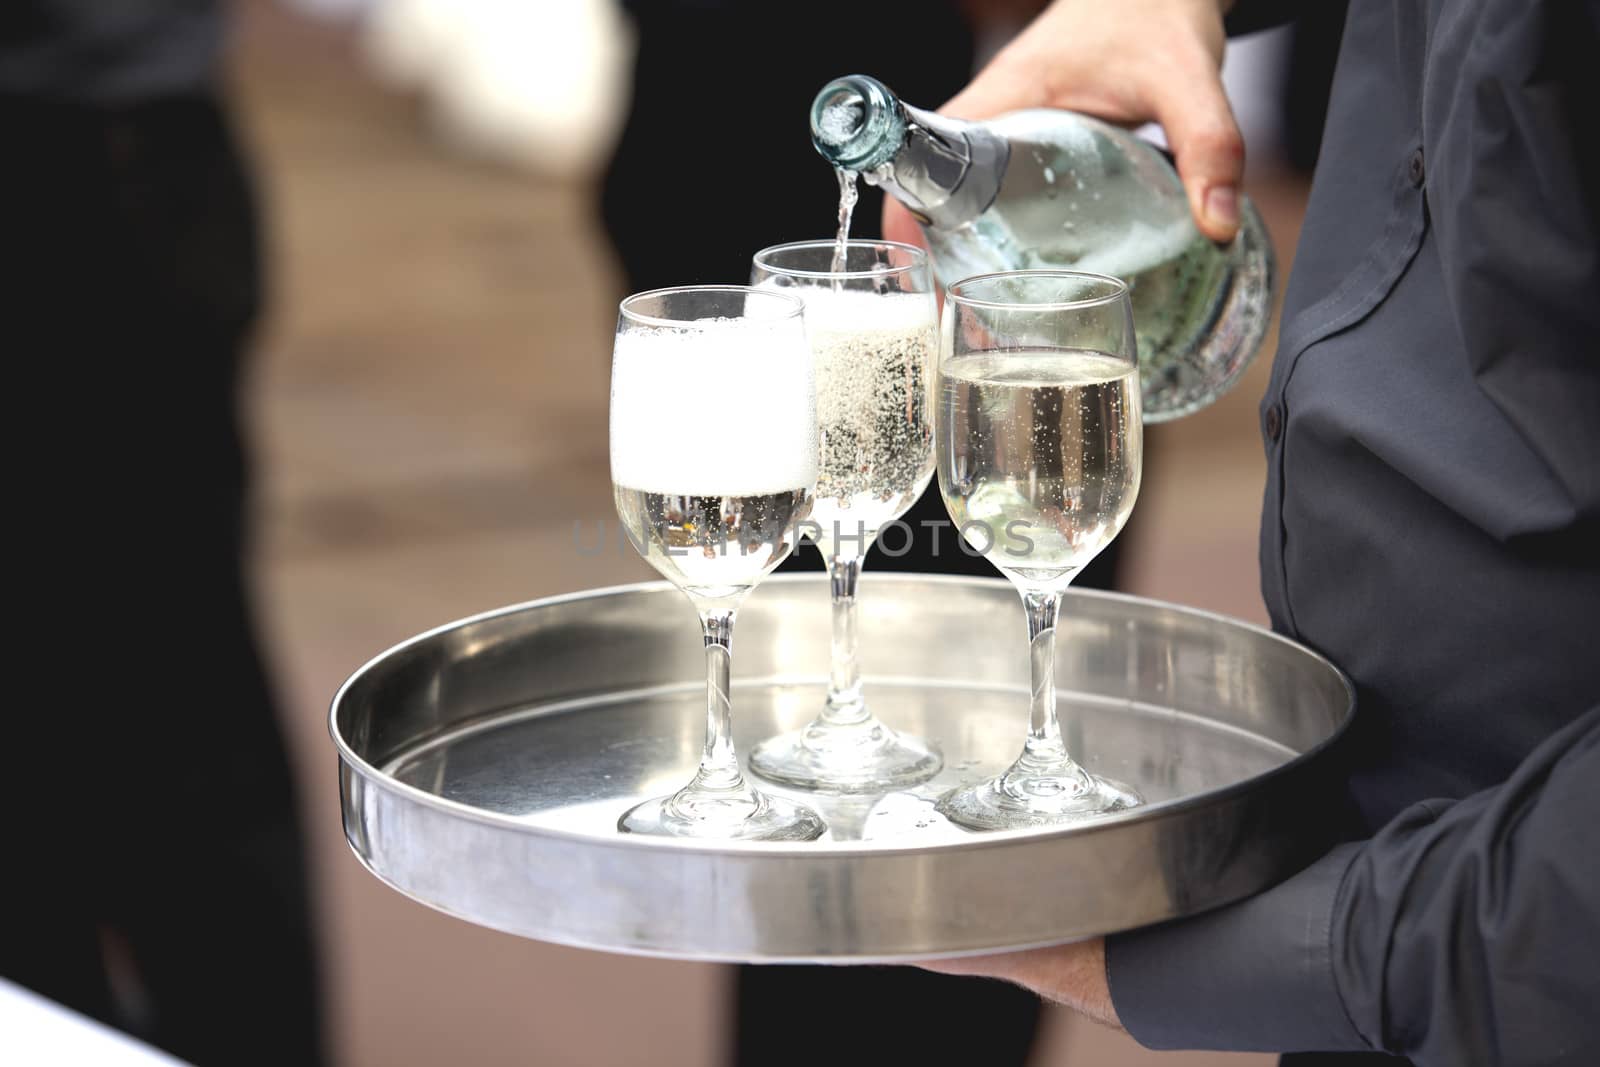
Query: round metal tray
[{"x": 483, "y": 766}]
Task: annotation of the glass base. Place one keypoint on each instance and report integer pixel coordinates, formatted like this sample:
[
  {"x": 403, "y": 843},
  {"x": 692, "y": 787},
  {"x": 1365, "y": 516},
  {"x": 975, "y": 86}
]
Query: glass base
[
  {"x": 742, "y": 815},
  {"x": 864, "y": 757},
  {"x": 1022, "y": 798}
]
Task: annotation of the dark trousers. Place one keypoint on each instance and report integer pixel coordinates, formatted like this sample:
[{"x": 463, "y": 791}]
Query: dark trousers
[{"x": 160, "y": 884}]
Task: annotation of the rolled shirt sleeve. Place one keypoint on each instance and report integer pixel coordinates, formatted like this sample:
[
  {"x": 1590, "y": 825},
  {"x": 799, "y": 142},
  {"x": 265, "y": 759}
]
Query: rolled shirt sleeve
[{"x": 1463, "y": 933}]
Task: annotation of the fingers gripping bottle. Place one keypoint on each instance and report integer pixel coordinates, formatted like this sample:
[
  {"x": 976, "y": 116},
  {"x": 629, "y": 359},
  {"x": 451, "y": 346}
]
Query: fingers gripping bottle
[{"x": 1054, "y": 189}]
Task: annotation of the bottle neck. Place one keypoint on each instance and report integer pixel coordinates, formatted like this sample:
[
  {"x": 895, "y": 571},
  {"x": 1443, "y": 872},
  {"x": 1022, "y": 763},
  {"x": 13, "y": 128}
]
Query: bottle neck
[{"x": 946, "y": 171}]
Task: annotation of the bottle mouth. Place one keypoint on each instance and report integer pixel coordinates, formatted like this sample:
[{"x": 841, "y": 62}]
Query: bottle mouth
[{"x": 856, "y": 123}]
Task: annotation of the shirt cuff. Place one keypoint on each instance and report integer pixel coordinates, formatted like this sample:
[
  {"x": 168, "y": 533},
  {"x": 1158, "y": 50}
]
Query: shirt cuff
[{"x": 1256, "y": 976}]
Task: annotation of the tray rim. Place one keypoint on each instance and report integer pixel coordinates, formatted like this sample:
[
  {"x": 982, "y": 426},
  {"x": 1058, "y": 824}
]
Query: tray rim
[
  {"x": 702, "y": 956},
  {"x": 840, "y": 849}
]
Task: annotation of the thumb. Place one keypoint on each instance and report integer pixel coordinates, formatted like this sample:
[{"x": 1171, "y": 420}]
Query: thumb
[{"x": 1209, "y": 149}]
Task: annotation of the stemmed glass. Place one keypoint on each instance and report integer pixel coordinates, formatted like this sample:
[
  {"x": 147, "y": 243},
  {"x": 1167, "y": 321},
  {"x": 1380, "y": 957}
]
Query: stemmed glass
[
  {"x": 1039, "y": 444},
  {"x": 713, "y": 464},
  {"x": 873, "y": 328}
]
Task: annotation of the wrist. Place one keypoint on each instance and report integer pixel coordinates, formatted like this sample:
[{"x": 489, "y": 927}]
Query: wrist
[{"x": 1076, "y": 977}]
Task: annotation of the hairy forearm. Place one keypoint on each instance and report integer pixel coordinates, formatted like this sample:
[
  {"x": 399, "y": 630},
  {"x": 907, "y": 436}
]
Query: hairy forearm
[{"x": 1070, "y": 975}]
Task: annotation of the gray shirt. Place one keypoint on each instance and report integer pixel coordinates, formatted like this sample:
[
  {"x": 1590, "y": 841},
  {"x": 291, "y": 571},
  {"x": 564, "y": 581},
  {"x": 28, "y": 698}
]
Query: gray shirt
[
  {"x": 108, "y": 52},
  {"x": 1432, "y": 525}
]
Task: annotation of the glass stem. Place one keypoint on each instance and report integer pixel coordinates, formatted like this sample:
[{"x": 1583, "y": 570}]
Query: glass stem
[
  {"x": 719, "y": 763},
  {"x": 845, "y": 706},
  {"x": 1045, "y": 750}
]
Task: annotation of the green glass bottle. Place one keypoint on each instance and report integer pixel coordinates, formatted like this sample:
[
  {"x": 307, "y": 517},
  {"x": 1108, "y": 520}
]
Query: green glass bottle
[{"x": 1054, "y": 189}]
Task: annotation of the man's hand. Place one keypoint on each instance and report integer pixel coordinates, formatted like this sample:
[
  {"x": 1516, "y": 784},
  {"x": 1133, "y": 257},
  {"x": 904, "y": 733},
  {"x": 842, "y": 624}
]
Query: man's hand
[
  {"x": 1073, "y": 975},
  {"x": 1129, "y": 62}
]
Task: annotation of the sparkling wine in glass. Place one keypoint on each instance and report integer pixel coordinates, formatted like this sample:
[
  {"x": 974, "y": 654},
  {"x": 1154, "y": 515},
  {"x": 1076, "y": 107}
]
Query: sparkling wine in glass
[
  {"x": 1039, "y": 444},
  {"x": 713, "y": 466},
  {"x": 873, "y": 327}
]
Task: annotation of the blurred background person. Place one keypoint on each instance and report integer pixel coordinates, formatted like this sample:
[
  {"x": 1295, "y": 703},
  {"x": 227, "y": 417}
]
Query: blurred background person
[{"x": 161, "y": 887}]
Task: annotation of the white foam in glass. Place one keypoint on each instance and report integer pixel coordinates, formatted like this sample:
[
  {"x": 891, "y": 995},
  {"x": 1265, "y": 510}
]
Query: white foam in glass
[{"x": 727, "y": 408}]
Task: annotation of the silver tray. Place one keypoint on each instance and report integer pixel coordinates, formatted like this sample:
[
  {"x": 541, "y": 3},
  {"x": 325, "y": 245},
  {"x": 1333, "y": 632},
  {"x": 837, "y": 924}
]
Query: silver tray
[{"x": 483, "y": 766}]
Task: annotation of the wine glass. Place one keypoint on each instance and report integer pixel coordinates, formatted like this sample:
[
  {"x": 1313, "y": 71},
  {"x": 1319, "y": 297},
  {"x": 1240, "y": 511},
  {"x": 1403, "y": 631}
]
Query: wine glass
[
  {"x": 873, "y": 326},
  {"x": 713, "y": 463},
  {"x": 1039, "y": 440}
]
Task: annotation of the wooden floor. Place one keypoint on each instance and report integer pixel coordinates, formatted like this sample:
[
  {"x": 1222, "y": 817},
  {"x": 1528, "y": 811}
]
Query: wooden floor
[{"x": 429, "y": 408}]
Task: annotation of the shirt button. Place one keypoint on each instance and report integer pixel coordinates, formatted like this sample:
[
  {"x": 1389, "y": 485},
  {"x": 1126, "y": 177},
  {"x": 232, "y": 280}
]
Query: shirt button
[
  {"x": 1274, "y": 423},
  {"x": 1415, "y": 170}
]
